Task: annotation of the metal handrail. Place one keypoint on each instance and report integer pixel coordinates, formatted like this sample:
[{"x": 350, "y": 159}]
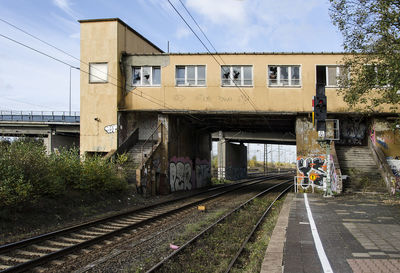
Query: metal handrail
[
  {"x": 64, "y": 116},
  {"x": 152, "y": 137}
]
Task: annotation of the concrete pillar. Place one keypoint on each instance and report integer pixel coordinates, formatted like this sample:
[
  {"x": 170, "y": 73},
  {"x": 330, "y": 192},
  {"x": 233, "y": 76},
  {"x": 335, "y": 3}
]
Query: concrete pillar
[
  {"x": 47, "y": 142},
  {"x": 221, "y": 155},
  {"x": 232, "y": 160}
]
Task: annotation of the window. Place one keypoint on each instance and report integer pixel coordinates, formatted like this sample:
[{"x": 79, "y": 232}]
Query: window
[
  {"x": 146, "y": 75},
  {"x": 378, "y": 75},
  {"x": 330, "y": 75},
  {"x": 190, "y": 75},
  {"x": 284, "y": 75},
  {"x": 236, "y": 75},
  {"x": 98, "y": 72}
]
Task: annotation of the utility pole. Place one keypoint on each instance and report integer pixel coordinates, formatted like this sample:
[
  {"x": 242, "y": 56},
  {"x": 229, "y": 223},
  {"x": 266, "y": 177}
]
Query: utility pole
[
  {"x": 70, "y": 68},
  {"x": 265, "y": 158}
]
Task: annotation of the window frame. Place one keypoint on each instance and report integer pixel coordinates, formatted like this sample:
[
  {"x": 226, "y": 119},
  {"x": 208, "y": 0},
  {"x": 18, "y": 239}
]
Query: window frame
[
  {"x": 242, "y": 80},
  {"x": 327, "y": 75},
  {"x": 196, "y": 75},
  {"x": 90, "y": 73},
  {"x": 377, "y": 69},
  {"x": 269, "y": 85},
  {"x": 141, "y": 75}
]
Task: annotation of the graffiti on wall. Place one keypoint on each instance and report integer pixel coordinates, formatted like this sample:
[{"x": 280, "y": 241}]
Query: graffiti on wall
[
  {"x": 394, "y": 164},
  {"x": 382, "y": 141},
  {"x": 334, "y": 177},
  {"x": 235, "y": 173},
  {"x": 184, "y": 176},
  {"x": 110, "y": 129},
  {"x": 203, "y": 173},
  {"x": 180, "y": 173},
  {"x": 312, "y": 171},
  {"x": 352, "y": 132}
]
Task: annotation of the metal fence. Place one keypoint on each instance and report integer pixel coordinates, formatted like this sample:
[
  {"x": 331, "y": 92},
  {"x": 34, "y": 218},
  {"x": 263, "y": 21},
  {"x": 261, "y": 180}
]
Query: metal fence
[{"x": 40, "y": 116}]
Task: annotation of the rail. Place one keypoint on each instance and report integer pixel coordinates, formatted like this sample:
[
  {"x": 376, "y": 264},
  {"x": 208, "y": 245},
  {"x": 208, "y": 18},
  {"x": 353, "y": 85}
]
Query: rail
[
  {"x": 121, "y": 222},
  {"x": 203, "y": 233},
  {"x": 152, "y": 140},
  {"x": 40, "y": 116}
]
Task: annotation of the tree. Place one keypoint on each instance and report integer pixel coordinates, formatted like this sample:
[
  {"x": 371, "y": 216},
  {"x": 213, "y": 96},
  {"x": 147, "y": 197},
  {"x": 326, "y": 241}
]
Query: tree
[{"x": 371, "y": 32}]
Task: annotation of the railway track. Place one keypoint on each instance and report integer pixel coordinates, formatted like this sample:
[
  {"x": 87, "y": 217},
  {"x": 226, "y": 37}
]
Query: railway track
[
  {"x": 159, "y": 267},
  {"x": 30, "y": 253}
]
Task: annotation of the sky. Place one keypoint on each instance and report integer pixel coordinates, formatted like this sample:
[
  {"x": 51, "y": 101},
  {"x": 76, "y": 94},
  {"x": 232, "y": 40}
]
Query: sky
[{"x": 31, "y": 81}]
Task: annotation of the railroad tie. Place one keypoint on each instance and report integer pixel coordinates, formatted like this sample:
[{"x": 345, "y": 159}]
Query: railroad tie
[
  {"x": 95, "y": 233},
  {"x": 4, "y": 267},
  {"x": 72, "y": 240},
  {"x": 83, "y": 236},
  {"x": 30, "y": 253},
  {"x": 46, "y": 248},
  {"x": 62, "y": 244},
  {"x": 13, "y": 259}
]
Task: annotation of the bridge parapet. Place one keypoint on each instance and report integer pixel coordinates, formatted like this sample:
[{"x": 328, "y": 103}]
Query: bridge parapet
[{"x": 40, "y": 116}]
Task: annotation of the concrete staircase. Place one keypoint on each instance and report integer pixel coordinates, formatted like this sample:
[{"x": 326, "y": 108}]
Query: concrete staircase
[
  {"x": 135, "y": 157},
  {"x": 357, "y": 162}
]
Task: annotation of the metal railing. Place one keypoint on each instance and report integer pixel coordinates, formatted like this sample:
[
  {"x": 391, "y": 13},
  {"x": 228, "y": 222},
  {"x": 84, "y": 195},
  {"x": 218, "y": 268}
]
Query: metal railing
[
  {"x": 151, "y": 138},
  {"x": 40, "y": 116}
]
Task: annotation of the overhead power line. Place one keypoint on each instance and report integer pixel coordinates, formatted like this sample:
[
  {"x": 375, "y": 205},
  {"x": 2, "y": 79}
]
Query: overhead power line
[
  {"x": 53, "y": 46},
  {"x": 38, "y": 51},
  {"x": 244, "y": 93},
  {"x": 205, "y": 36},
  {"x": 161, "y": 103}
]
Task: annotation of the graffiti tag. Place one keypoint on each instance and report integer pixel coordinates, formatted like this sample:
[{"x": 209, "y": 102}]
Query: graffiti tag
[{"x": 110, "y": 129}]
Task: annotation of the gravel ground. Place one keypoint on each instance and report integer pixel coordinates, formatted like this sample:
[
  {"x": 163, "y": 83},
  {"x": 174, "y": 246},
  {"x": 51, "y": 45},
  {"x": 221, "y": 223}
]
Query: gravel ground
[
  {"x": 54, "y": 214},
  {"x": 138, "y": 251}
]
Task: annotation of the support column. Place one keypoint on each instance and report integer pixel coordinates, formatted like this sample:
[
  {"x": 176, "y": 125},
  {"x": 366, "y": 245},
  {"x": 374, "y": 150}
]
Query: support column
[{"x": 221, "y": 155}]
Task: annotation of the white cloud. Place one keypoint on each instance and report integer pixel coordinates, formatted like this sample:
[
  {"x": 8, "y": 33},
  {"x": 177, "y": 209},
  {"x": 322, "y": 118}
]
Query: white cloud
[
  {"x": 65, "y": 5},
  {"x": 261, "y": 25},
  {"x": 182, "y": 32},
  {"x": 75, "y": 35},
  {"x": 221, "y": 12}
]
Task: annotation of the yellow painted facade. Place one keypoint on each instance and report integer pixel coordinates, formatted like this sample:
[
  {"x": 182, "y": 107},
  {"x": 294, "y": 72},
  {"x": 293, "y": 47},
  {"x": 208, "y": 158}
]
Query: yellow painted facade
[
  {"x": 111, "y": 40},
  {"x": 215, "y": 97},
  {"x": 104, "y": 41}
]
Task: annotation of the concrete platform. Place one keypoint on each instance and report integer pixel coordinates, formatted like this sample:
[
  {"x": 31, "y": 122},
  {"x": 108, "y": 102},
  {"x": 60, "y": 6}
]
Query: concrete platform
[{"x": 342, "y": 234}]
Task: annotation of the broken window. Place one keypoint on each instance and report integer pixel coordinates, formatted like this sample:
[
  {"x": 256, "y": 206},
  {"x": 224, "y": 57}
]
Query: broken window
[
  {"x": 137, "y": 72},
  {"x": 331, "y": 75},
  {"x": 98, "y": 72},
  {"x": 378, "y": 75},
  {"x": 284, "y": 75},
  {"x": 236, "y": 75},
  {"x": 146, "y": 75},
  {"x": 190, "y": 75}
]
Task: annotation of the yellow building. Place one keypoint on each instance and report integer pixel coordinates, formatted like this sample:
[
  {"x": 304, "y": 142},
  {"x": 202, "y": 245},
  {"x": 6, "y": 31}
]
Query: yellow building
[{"x": 134, "y": 93}]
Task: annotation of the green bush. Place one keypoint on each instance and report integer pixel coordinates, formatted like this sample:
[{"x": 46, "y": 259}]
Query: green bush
[
  {"x": 98, "y": 174},
  {"x": 28, "y": 173}
]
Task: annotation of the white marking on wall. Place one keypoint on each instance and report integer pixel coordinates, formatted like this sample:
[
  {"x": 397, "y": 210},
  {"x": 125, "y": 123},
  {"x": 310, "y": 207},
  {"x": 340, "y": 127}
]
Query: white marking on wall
[
  {"x": 110, "y": 129},
  {"x": 326, "y": 266}
]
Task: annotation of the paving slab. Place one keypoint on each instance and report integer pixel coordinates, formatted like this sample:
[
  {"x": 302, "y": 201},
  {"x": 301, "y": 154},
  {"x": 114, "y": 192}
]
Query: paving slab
[{"x": 358, "y": 233}]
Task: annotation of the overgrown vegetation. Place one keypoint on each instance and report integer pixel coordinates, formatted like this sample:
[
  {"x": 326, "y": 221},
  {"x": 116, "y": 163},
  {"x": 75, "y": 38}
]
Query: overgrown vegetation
[
  {"x": 213, "y": 252},
  {"x": 27, "y": 173},
  {"x": 259, "y": 165},
  {"x": 370, "y": 29}
]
